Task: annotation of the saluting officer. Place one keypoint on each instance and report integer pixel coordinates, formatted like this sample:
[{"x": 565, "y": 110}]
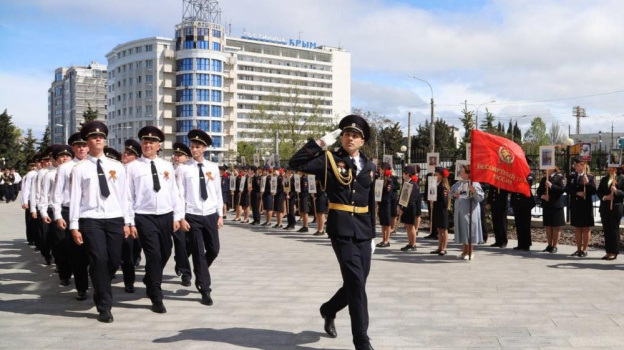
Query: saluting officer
[
  {"x": 181, "y": 246},
  {"x": 155, "y": 206},
  {"x": 98, "y": 202},
  {"x": 351, "y": 222},
  {"x": 78, "y": 258},
  {"x": 200, "y": 187}
]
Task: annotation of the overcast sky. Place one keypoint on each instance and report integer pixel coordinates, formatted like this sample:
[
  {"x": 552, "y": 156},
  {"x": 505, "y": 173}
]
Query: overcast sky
[{"x": 534, "y": 57}]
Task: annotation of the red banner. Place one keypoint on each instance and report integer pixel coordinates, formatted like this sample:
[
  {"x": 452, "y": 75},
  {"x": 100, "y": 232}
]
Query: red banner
[{"x": 499, "y": 162}]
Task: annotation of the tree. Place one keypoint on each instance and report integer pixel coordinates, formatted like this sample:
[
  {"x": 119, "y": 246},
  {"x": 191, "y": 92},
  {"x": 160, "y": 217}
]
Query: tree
[
  {"x": 468, "y": 123},
  {"x": 247, "y": 150},
  {"x": 27, "y": 151},
  {"x": 90, "y": 114},
  {"x": 488, "y": 122},
  {"x": 509, "y": 130},
  {"x": 445, "y": 142},
  {"x": 8, "y": 140},
  {"x": 374, "y": 148},
  {"x": 556, "y": 134},
  {"x": 45, "y": 139},
  {"x": 536, "y": 136},
  {"x": 517, "y": 134},
  {"x": 391, "y": 138},
  {"x": 294, "y": 117}
]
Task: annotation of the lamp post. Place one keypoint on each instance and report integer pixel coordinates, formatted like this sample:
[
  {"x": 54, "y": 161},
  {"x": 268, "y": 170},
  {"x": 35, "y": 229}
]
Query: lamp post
[
  {"x": 65, "y": 135},
  {"x": 511, "y": 120},
  {"x": 477, "y": 112},
  {"x": 432, "y": 126},
  {"x": 403, "y": 150},
  {"x": 612, "y": 120}
]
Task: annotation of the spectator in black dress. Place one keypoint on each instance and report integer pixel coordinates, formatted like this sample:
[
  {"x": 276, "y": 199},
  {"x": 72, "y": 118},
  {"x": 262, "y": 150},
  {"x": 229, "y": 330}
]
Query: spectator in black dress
[
  {"x": 611, "y": 194},
  {"x": 440, "y": 209},
  {"x": 550, "y": 189},
  {"x": 580, "y": 188}
]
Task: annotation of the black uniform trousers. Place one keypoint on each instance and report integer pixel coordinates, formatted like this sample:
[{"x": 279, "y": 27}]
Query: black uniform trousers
[
  {"x": 103, "y": 239},
  {"x": 127, "y": 261},
  {"x": 155, "y": 233},
  {"x": 255, "y": 206},
  {"x": 182, "y": 252},
  {"x": 522, "y": 216},
  {"x": 204, "y": 239},
  {"x": 611, "y": 227},
  {"x": 46, "y": 236},
  {"x": 354, "y": 257},
  {"x": 60, "y": 249},
  {"x": 484, "y": 226},
  {"x": 31, "y": 226},
  {"x": 499, "y": 222},
  {"x": 9, "y": 192},
  {"x": 78, "y": 258},
  {"x": 290, "y": 217}
]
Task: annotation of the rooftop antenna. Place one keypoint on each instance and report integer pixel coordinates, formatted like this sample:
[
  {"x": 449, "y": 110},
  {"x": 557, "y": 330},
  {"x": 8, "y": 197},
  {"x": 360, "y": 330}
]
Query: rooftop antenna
[{"x": 201, "y": 10}]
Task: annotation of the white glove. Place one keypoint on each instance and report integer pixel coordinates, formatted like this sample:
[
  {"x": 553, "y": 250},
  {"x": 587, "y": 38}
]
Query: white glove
[
  {"x": 330, "y": 138},
  {"x": 373, "y": 245}
]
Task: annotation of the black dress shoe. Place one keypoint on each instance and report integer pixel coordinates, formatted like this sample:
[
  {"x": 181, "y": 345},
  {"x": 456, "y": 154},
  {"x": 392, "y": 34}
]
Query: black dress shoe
[
  {"x": 503, "y": 245},
  {"x": 186, "y": 281},
  {"x": 159, "y": 308},
  {"x": 553, "y": 250},
  {"x": 548, "y": 249},
  {"x": 364, "y": 347},
  {"x": 318, "y": 233},
  {"x": 303, "y": 230},
  {"x": 81, "y": 296},
  {"x": 206, "y": 299},
  {"x": 431, "y": 236},
  {"x": 48, "y": 261},
  {"x": 495, "y": 245},
  {"x": 576, "y": 253},
  {"x": 264, "y": 224},
  {"x": 329, "y": 326},
  {"x": 129, "y": 289},
  {"x": 65, "y": 282},
  {"x": 105, "y": 316}
]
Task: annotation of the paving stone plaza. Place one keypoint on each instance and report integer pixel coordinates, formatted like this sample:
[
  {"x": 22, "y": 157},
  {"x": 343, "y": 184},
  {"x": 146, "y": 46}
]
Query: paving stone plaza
[{"x": 268, "y": 285}]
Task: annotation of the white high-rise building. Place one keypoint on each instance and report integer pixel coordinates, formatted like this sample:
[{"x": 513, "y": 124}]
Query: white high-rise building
[
  {"x": 141, "y": 89},
  {"x": 72, "y": 91}
]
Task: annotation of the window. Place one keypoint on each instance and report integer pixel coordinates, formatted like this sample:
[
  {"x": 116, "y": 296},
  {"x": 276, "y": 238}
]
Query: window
[
  {"x": 216, "y": 46},
  {"x": 185, "y": 95},
  {"x": 184, "y": 64},
  {"x": 139, "y": 79},
  {"x": 149, "y": 63},
  {"x": 185, "y": 111},
  {"x": 184, "y": 139},
  {"x": 138, "y": 49},
  {"x": 139, "y": 65},
  {"x": 185, "y": 79},
  {"x": 203, "y": 64},
  {"x": 202, "y": 95},
  {"x": 188, "y": 30},
  {"x": 149, "y": 47},
  {"x": 217, "y": 141},
  {"x": 149, "y": 78},
  {"x": 139, "y": 110},
  {"x": 130, "y": 80},
  {"x": 148, "y": 110},
  {"x": 216, "y": 81},
  {"x": 216, "y": 126},
  {"x": 216, "y": 111},
  {"x": 216, "y": 65},
  {"x": 202, "y": 79},
  {"x": 202, "y": 111},
  {"x": 149, "y": 94},
  {"x": 216, "y": 96},
  {"x": 189, "y": 45},
  {"x": 139, "y": 94},
  {"x": 123, "y": 111},
  {"x": 202, "y": 44},
  {"x": 58, "y": 90},
  {"x": 184, "y": 125},
  {"x": 59, "y": 76},
  {"x": 129, "y": 96},
  {"x": 216, "y": 33},
  {"x": 202, "y": 125}
]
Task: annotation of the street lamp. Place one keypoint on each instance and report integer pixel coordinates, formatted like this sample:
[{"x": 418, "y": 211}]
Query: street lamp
[
  {"x": 432, "y": 127},
  {"x": 3, "y": 162},
  {"x": 65, "y": 135},
  {"x": 477, "y": 113},
  {"x": 612, "y": 120},
  {"x": 511, "y": 121}
]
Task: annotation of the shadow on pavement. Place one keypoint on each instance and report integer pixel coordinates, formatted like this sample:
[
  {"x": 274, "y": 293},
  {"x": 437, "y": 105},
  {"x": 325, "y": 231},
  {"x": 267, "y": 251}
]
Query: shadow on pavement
[{"x": 248, "y": 337}]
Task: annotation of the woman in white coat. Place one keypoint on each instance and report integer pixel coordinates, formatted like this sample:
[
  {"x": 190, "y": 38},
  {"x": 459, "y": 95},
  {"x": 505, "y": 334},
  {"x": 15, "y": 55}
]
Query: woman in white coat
[{"x": 464, "y": 193}]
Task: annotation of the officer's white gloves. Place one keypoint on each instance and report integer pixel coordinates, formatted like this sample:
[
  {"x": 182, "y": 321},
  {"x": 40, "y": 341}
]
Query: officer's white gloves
[
  {"x": 330, "y": 138},
  {"x": 373, "y": 245}
]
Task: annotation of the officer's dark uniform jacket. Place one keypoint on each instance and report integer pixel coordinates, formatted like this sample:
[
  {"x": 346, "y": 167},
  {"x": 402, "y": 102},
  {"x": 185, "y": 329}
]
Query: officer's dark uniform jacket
[
  {"x": 360, "y": 192},
  {"x": 554, "y": 192},
  {"x": 604, "y": 189},
  {"x": 497, "y": 198},
  {"x": 573, "y": 186},
  {"x": 520, "y": 201},
  {"x": 225, "y": 188}
]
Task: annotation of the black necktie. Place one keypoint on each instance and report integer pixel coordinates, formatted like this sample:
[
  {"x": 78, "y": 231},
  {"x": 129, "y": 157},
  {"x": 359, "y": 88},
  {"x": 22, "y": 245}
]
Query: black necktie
[
  {"x": 102, "y": 178},
  {"x": 202, "y": 183},
  {"x": 155, "y": 177},
  {"x": 354, "y": 166}
]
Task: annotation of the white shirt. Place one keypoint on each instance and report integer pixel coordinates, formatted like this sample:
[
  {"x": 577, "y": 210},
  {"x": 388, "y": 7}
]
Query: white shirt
[
  {"x": 188, "y": 182},
  {"x": 28, "y": 178},
  {"x": 35, "y": 189},
  {"x": 142, "y": 199},
  {"x": 85, "y": 198},
  {"x": 18, "y": 177},
  {"x": 60, "y": 198},
  {"x": 47, "y": 189}
]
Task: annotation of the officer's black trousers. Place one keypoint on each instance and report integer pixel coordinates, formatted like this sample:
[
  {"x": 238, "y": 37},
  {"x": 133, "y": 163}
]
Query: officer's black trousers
[
  {"x": 204, "y": 242},
  {"x": 182, "y": 252},
  {"x": 78, "y": 258},
  {"x": 103, "y": 239},
  {"x": 155, "y": 233},
  {"x": 484, "y": 226},
  {"x": 354, "y": 257},
  {"x": 292, "y": 220},
  {"x": 46, "y": 236},
  {"x": 31, "y": 229},
  {"x": 522, "y": 218},
  {"x": 127, "y": 261},
  {"x": 60, "y": 250},
  {"x": 499, "y": 221},
  {"x": 255, "y": 206},
  {"x": 611, "y": 226}
]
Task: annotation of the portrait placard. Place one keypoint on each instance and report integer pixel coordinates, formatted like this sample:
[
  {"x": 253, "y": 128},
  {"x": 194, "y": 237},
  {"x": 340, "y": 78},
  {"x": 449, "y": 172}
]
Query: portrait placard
[
  {"x": 387, "y": 158},
  {"x": 433, "y": 160},
  {"x": 432, "y": 188},
  {"x": 263, "y": 183},
  {"x": 615, "y": 158},
  {"x": 273, "y": 184},
  {"x": 378, "y": 190},
  {"x": 406, "y": 191},
  {"x": 243, "y": 160},
  {"x": 241, "y": 185},
  {"x": 220, "y": 158},
  {"x": 297, "y": 183},
  {"x": 464, "y": 187},
  {"x": 256, "y": 159},
  {"x": 312, "y": 183},
  {"x": 585, "y": 152},
  {"x": 468, "y": 150},
  {"x": 547, "y": 157},
  {"x": 232, "y": 183},
  {"x": 458, "y": 166}
]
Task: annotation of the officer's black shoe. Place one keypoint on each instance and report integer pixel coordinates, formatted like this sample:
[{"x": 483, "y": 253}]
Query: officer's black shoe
[
  {"x": 553, "y": 250},
  {"x": 65, "y": 282},
  {"x": 265, "y": 224},
  {"x": 303, "y": 230},
  {"x": 159, "y": 308},
  {"x": 408, "y": 248},
  {"x": 254, "y": 222},
  {"x": 206, "y": 299},
  {"x": 105, "y": 316},
  {"x": 186, "y": 281},
  {"x": 81, "y": 296},
  {"x": 548, "y": 249},
  {"x": 31, "y": 243},
  {"x": 364, "y": 347},
  {"x": 431, "y": 236},
  {"x": 289, "y": 228},
  {"x": 129, "y": 289},
  {"x": 330, "y": 327},
  {"x": 48, "y": 261},
  {"x": 318, "y": 233}
]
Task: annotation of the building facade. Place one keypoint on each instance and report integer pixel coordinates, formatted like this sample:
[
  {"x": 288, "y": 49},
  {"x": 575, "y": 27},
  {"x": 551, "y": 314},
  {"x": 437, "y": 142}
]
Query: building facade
[{"x": 72, "y": 91}]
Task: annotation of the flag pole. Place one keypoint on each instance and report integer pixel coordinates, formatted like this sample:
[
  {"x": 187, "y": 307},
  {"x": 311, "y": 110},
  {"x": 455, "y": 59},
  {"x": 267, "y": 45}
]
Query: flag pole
[{"x": 470, "y": 221}]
